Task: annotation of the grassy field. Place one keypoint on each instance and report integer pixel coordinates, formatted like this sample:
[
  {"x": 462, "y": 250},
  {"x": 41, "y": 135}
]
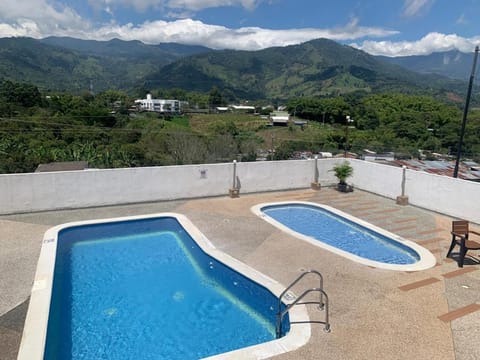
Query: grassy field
[
  {"x": 313, "y": 136},
  {"x": 208, "y": 123}
]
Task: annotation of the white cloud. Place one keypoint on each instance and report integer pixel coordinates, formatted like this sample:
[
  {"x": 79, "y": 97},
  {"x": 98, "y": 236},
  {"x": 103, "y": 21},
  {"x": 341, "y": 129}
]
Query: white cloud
[
  {"x": 65, "y": 22},
  {"x": 178, "y": 14},
  {"x": 462, "y": 20},
  {"x": 21, "y": 28},
  {"x": 416, "y": 7},
  {"x": 432, "y": 42},
  {"x": 108, "y": 10},
  {"x": 41, "y": 18},
  {"x": 196, "y": 5},
  {"x": 36, "y": 18},
  {"x": 189, "y": 5},
  {"x": 188, "y": 31}
]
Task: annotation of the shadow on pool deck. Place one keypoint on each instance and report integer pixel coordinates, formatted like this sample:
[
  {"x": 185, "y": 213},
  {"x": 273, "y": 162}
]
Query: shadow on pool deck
[
  {"x": 11, "y": 327},
  {"x": 374, "y": 313}
]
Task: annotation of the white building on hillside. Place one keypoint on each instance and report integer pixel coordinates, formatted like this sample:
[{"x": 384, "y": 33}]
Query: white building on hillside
[
  {"x": 279, "y": 118},
  {"x": 242, "y": 108},
  {"x": 158, "y": 105}
]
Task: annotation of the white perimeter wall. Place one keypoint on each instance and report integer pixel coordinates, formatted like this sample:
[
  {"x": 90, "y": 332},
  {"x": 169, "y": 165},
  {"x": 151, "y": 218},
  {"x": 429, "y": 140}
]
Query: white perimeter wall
[
  {"x": 76, "y": 189},
  {"x": 443, "y": 194}
]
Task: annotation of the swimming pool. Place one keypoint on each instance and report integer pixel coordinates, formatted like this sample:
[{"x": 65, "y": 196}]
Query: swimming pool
[
  {"x": 149, "y": 288},
  {"x": 346, "y": 235}
]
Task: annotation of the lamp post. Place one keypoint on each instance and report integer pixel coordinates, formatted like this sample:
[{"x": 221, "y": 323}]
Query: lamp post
[
  {"x": 295, "y": 110},
  {"x": 465, "y": 112},
  {"x": 273, "y": 147},
  {"x": 348, "y": 121}
]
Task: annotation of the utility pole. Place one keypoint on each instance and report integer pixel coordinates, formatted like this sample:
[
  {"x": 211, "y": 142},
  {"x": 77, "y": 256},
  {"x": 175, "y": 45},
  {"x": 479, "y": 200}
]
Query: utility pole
[
  {"x": 348, "y": 121},
  {"x": 273, "y": 146},
  {"x": 465, "y": 112}
]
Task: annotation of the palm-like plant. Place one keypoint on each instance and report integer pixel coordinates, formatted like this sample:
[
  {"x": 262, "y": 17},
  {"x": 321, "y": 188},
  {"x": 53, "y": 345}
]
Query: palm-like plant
[{"x": 343, "y": 171}]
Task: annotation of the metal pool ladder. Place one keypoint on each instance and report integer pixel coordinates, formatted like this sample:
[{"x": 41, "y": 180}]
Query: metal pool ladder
[{"x": 296, "y": 301}]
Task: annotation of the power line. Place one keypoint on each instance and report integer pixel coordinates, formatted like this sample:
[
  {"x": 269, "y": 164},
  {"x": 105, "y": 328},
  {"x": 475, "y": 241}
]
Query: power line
[{"x": 91, "y": 128}]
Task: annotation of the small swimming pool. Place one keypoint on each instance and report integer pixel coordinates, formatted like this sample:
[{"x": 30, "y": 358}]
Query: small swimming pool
[
  {"x": 346, "y": 235},
  {"x": 146, "y": 288}
]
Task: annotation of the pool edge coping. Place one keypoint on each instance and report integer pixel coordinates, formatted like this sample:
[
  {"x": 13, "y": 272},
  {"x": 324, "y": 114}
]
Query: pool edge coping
[
  {"x": 427, "y": 259},
  {"x": 33, "y": 341}
]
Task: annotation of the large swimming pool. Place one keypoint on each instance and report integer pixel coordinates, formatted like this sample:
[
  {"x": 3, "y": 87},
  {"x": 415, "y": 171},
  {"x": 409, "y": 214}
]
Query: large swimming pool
[
  {"x": 346, "y": 235},
  {"x": 145, "y": 289}
]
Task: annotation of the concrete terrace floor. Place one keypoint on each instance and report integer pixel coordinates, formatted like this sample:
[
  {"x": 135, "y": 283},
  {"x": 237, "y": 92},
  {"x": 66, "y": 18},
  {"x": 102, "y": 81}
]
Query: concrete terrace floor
[{"x": 374, "y": 314}]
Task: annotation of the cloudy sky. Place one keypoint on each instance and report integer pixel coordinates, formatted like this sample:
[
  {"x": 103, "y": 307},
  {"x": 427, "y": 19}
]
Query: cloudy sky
[{"x": 380, "y": 27}]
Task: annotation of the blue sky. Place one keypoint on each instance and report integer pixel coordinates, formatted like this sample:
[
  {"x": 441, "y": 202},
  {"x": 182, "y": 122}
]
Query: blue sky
[{"x": 379, "y": 27}]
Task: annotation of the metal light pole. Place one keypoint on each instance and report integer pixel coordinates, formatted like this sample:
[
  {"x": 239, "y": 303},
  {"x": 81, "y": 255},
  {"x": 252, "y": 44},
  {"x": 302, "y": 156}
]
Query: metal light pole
[
  {"x": 465, "y": 112},
  {"x": 348, "y": 121},
  {"x": 295, "y": 110},
  {"x": 273, "y": 147}
]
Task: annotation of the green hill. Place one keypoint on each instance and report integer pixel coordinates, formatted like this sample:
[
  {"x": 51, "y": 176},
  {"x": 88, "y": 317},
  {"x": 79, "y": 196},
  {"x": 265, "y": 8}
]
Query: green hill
[
  {"x": 453, "y": 64},
  {"x": 67, "y": 64},
  {"x": 136, "y": 50},
  {"x": 315, "y": 68}
]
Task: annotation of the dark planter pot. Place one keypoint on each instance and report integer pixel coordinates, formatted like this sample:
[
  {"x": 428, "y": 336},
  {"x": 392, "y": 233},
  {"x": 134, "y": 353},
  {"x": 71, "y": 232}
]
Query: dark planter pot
[{"x": 344, "y": 187}]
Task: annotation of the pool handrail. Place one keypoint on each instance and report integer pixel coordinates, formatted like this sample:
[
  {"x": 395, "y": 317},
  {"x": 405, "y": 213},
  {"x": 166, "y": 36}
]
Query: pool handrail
[{"x": 321, "y": 304}]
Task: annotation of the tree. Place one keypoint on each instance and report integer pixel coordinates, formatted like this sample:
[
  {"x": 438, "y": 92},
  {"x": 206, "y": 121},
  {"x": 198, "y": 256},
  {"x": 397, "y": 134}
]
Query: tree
[
  {"x": 222, "y": 148},
  {"x": 186, "y": 148},
  {"x": 20, "y": 94},
  {"x": 215, "y": 97}
]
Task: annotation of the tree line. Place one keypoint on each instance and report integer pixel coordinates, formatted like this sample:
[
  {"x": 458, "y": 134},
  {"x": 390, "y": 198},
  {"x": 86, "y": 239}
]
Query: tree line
[
  {"x": 38, "y": 128},
  {"x": 394, "y": 122}
]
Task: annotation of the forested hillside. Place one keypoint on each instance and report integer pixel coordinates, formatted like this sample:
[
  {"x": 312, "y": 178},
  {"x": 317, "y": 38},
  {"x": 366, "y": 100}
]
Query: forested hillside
[
  {"x": 66, "y": 64},
  {"x": 453, "y": 64},
  {"x": 316, "y": 68}
]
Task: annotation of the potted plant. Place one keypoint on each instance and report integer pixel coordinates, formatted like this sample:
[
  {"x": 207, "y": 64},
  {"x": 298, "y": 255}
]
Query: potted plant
[{"x": 342, "y": 172}]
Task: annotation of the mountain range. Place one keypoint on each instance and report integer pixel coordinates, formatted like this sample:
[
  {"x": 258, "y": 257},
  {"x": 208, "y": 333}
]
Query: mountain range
[
  {"x": 315, "y": 68},
  {"x": 452, "y": 64},
  {"x": 68, "y": 64}
]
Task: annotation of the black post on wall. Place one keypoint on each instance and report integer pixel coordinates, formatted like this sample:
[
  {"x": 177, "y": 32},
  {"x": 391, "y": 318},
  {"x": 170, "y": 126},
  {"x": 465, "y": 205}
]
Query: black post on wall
[{"x": 465, "y": 111}]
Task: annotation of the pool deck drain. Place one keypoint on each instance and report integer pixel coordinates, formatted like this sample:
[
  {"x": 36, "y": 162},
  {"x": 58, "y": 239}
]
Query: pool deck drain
[{"x": 413, "y": 322}]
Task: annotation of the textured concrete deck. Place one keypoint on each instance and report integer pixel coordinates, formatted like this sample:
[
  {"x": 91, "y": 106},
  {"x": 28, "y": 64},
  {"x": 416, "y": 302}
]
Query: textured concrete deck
[{"x": 375, "y": 314}]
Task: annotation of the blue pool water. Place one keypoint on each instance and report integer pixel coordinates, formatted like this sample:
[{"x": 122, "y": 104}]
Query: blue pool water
[
  {"x": 337, "y": 231},
  {"x": 144, "y": 289}
]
